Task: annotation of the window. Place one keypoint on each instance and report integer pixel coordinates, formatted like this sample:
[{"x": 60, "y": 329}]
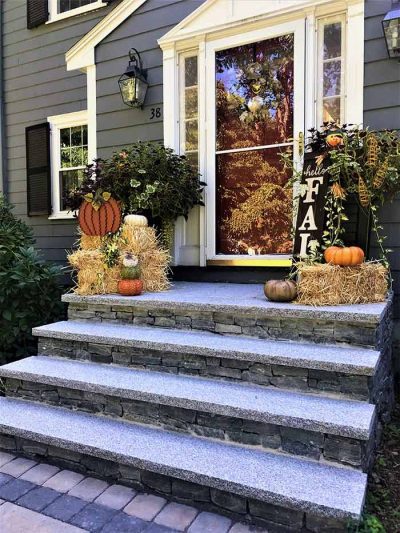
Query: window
[
  {"x": 61, "y": 9},
  {"x": 331, "y": 82},
  {"x": 189, "y": 119},
  {"x": 69, "y": 157}
]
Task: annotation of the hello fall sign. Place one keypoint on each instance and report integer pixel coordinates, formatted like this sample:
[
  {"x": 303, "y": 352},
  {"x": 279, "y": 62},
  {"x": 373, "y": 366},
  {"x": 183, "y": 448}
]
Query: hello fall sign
[{"x": 311, "y": 211}]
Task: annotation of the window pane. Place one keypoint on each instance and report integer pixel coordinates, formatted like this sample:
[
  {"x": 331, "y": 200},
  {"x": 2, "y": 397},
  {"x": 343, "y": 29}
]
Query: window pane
[
  {"x": 193, "y": 158},
  {"x": 76, "y": 136},
  {"x": 191, "y": 135},
  {"x": 254, "y": 209},
  {"x": 66, "y": 5},
  {"x": 84, "y": 135},
  {"x": 332, "y": 40},
  {"x": 331, "y": 110},
  {"x": 69, "y": 180},
  {"x": 65, "y": 137},
  {"x": 254, "y": 92},
  {"x": 332, "y": 78},
  {"x": 66, "y": 158},
  {"x": 190, "y": 71},
  {"x": 191, "y": 102}
]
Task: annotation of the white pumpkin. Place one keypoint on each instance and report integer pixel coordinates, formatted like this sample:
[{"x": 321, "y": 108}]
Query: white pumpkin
[{"x": 135, "y": 220}]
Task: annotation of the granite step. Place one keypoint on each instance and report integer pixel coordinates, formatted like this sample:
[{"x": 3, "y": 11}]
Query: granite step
[
  {"x": 250, "y": 481},
  {"x": 236, "y": 309},
  {"x": 344, "y": 370},
  {"x": 330, "y": 429}
]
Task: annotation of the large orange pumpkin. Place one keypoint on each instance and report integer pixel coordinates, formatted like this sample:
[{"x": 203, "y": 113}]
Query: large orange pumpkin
[
  {"x": 106, "y": 219},
  {"x": 130, "y": 287},
  {"x": 344, "y": 255}
]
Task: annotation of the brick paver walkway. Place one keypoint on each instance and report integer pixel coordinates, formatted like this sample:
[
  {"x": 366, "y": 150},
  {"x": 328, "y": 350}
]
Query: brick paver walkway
[{"x": 41, "y": 498}]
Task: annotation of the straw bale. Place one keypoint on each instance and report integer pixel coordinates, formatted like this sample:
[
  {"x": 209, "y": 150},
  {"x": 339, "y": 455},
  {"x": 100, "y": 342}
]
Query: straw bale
[{"x": 324, "y": 284}]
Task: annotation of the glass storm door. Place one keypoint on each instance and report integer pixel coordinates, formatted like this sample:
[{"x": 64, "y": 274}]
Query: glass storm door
[{"x": 258, "y": 110}]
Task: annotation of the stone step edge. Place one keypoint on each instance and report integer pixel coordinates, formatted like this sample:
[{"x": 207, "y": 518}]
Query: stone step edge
[
  {"x": 180, "y": 391},
  {"x": 370, "y": 314},
  {"x": 288, "y": 482},
  {"x": 303, "y": 355}
]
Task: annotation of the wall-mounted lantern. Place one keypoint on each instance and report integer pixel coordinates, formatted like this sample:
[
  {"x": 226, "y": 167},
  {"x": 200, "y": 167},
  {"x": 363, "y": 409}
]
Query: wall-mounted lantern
[
  {"x": 133, "y": 83},
  {"x": 391, "y": 29}
]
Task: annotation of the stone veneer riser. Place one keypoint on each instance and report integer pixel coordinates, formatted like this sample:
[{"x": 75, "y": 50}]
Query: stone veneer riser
[
  {"x": 276, "y": 519},
  {"x": 316, "y": 445},
  {"x": 360, "y": 387},
  {"x": 369, "y": 334}
]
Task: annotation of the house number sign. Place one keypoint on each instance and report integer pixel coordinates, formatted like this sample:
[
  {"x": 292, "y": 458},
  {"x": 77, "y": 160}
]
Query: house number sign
[{"x": 311, "y": 212}]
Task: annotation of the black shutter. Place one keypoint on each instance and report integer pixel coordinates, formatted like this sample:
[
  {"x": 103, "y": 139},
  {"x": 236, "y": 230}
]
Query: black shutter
[
  {"x": 37, "y": 13},
  {"x": 38, "y": 169}
]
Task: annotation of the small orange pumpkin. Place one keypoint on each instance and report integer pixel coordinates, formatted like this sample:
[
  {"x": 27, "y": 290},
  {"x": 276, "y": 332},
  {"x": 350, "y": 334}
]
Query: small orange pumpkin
[
  {"x": 130, "y": 287},
  {"x": 344, "y": 255},
  {"x": 280, "y": 290},
  {"x": 105, "y": 219},
  {"x": 334, "y": 139}
]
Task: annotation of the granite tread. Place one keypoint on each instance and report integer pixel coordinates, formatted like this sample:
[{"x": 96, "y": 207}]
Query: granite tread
[
  {"x": 345, "y": 359},
  {"x": 316, "y": 413},
  {"x": 270, "y": 477},
  {"x": 244, "y": 298}
]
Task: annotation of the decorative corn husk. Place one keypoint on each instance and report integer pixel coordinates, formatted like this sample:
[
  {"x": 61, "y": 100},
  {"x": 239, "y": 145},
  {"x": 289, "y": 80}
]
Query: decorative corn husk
[
  {"x": 363, "y": 193},
  {"x": 380, "y": 176},
  {"x": 372, "y": 150}
]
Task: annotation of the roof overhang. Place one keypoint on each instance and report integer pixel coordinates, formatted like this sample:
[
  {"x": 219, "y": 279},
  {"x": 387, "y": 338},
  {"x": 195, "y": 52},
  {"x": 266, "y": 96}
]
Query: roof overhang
[{"x": 82, "y": 54}]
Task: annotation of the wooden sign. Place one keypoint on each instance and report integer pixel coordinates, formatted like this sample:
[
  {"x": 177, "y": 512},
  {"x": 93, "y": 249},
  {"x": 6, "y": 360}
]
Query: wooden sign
[{"x": 311, "y": 213}]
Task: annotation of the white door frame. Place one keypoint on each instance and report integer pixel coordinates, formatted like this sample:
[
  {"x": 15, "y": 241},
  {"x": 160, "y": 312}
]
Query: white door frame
[{"x": 297, "y": 28}]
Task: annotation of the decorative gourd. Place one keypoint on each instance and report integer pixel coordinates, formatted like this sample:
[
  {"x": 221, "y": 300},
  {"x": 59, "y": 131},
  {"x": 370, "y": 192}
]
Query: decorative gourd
[
  {"x": 334, "y": 139},
  {"x": 279, "y": 290},
  {"x": 130, "y": 272},
  {"x": 130, "y": 287},
  {"x": 135, "y": 220},
  {"x": 101, "y": 220},
  {"x": 344, "y": 256}
]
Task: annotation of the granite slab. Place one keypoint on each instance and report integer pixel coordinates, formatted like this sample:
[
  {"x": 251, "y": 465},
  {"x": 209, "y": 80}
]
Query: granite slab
[
  {"x": 278, "y": 479},
  {"x": 285, "y": 408},
  {"x": 346, "y": 359},
  {"x": 232, "y": 297}
]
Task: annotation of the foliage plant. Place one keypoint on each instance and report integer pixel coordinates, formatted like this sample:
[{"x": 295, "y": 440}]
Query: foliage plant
[
  {"x": 147, "y": 178},
  {"x": 29, "y": 288},
  {"x": 365, "y": 164}
]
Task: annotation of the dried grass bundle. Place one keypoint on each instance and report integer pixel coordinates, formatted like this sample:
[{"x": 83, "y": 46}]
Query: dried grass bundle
[
  {"x": 334, "y": 285},
  {"x": 94, "y": 277}
]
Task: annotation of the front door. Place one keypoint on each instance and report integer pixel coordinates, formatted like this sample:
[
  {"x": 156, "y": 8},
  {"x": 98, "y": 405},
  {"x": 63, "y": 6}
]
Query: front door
[{"x": 255, "y": 110}]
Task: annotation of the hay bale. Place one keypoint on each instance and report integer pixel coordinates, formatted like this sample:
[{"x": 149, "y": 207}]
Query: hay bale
[
  {"x": 323, "y": 284},
  {"x": 94, "y": 277}
]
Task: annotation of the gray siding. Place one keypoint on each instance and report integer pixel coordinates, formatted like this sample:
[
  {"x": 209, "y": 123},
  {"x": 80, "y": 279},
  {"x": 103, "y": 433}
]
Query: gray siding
[
  {"x": 382, "y": 111},
  {"x": 37, "y": 85},
  {"x": 117, "y": 124}
]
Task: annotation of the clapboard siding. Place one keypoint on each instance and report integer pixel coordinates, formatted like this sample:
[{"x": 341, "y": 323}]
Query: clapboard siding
[
  {"x": 382, "y": 110},
  {"x": 37, "y": 85},
  {"x": 117, "y": 124}
]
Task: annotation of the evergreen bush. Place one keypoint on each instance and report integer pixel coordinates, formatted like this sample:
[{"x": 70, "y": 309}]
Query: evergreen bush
[{"x": 29, "y": 288}]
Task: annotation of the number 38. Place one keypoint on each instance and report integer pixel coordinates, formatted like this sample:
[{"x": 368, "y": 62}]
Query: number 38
[{"x": 155, "y": 112}]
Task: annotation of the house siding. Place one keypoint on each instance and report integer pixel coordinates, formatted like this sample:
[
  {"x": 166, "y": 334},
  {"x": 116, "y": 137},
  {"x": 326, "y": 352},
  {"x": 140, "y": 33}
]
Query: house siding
[
  {"x": 117, "y": 124},
  {"x": 382, "y": 111},
  {"x": 37, "y": 85}
]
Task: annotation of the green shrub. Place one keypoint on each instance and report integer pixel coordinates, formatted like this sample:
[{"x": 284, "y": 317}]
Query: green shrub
[{"x": 29, "y": 287}]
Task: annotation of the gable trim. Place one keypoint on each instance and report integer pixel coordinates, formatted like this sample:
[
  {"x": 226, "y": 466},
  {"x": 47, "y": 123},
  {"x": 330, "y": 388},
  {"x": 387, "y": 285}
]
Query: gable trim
[{"x": 82, "y": 54}]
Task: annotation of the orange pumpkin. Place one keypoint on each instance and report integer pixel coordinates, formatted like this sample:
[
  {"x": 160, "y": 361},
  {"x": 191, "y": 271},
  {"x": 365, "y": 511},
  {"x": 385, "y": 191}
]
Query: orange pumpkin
[
  {"x": 106, "y": 219},
  {"x": 344, "y": 256},
  {"x": 130, "y": 287},
  {"x": 334, "y": 139},
  {"x": 280, "y": 290}
]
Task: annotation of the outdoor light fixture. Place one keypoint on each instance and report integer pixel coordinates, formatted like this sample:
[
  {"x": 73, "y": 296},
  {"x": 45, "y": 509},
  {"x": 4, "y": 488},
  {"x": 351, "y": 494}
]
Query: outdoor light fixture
[
  {"x": 391, "y": 29},
  {"x": 133, "y": 83}
]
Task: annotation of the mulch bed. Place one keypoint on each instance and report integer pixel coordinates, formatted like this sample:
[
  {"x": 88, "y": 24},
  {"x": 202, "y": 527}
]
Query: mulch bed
[{"x": 383, "y": 499}]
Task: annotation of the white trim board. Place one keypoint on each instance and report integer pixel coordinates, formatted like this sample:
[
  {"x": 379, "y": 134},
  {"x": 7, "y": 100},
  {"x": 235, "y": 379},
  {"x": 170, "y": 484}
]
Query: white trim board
[{"x": 55, "y": 16}]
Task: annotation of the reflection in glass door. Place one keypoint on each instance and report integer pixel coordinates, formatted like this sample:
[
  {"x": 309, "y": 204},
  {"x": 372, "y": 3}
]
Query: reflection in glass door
[{"x": 254, "y": 123}]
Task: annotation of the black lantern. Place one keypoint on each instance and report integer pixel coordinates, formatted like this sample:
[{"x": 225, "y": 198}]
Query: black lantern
[
  {"x": 391, "y": 29},
  {"x": 133, "y": 83}
]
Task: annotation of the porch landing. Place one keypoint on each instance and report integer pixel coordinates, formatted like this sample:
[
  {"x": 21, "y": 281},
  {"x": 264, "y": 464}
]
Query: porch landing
[{"x": 231, "y": 297}]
